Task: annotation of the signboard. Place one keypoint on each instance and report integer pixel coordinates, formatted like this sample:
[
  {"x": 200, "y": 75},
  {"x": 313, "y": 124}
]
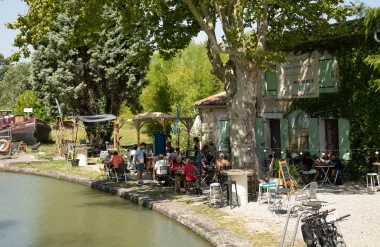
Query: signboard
[
  {"x": 28, "y": 110},
  {"x": 284, "y": 175},
  {"x": 176, "y": 125},
  {"x": 298, "y": 77}
]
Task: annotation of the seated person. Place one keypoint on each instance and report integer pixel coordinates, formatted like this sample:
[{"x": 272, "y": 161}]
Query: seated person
[
  {"x": 321, "y": 161},
  {"x": 338, "y": 165},
  {"x": 307, "y": 167},
  {"x": 177, "y": 163},
  {"x": 186, "y": 171},
  {"x": 116, "y": 160},
  {"x": 160, "y": 162},
  {"x": 221, "y": 164},
  {"x": 107, "y": 158}
]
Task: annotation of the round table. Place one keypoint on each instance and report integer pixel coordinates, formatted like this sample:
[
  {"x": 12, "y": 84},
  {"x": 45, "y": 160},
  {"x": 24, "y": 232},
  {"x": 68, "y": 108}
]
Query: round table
[
  {"x": 240, "y": 176},
  {"x": 314, "y": 205}
]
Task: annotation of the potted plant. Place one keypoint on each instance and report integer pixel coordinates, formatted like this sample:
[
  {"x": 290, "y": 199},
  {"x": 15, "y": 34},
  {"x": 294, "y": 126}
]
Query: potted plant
[{"x": 75, "y": 161}]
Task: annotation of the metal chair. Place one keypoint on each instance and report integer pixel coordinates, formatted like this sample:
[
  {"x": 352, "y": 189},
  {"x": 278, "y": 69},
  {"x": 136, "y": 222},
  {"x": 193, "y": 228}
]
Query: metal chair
[
  {"x": 308, "y": 194},
  {"x": 119, "y": 173},
  {"x": 267, "y": 187}
]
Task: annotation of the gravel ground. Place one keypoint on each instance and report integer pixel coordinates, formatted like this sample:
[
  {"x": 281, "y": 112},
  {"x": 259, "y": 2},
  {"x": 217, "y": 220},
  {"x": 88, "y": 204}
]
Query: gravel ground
[{"x": 360, "y": 230}]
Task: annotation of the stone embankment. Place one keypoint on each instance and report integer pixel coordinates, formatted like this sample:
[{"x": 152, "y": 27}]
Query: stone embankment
[{"x": 202, "y": 225}]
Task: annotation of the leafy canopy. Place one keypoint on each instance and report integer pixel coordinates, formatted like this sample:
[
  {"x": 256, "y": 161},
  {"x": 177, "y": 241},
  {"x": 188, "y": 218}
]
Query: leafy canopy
[
  {"x": 272, "y": 24},
  {"x": 15, "y": 82}
]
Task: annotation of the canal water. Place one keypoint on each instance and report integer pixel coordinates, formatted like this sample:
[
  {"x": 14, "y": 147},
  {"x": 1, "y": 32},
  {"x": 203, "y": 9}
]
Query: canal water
[{"x": 39, "y": 211}]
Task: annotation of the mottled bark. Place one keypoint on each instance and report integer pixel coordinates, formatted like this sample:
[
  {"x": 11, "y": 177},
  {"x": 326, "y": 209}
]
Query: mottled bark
[{"x": 241, "y": 80}]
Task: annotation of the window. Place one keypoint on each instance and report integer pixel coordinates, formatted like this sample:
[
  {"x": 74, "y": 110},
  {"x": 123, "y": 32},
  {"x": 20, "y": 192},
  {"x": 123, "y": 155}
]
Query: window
[
  {"x": 224, "y": 132},
  {"x": 326, "y": 74}
]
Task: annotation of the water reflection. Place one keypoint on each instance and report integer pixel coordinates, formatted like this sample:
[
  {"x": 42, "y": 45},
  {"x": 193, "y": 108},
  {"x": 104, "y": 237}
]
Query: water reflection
[{"x": 37, "y": 211}]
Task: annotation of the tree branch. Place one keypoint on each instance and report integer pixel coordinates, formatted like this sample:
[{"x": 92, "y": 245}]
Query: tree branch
[
  {"x": 217, "y": 64},
  {"x": 262, "y": 28}
]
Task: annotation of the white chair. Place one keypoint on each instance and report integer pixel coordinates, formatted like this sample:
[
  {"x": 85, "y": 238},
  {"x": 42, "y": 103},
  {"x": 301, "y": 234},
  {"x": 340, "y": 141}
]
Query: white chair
[
  {"x": 372, "y": 177},
  {"x": 215, "y": 194},
  {"x": 308, "y": 194}
]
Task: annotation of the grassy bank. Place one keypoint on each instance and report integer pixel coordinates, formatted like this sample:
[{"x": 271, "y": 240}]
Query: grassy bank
[{"x": 64, "y": 167}]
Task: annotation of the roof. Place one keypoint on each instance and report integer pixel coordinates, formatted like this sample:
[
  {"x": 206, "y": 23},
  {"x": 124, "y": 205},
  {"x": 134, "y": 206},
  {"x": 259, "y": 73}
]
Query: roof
[
  {"x": 96, "y": 118},
  {"x": 219, "y": 99},
  {"x": 151, "y": 115}
]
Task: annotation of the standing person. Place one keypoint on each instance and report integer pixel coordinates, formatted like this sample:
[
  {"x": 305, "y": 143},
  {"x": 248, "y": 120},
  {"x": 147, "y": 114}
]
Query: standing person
[
  {"x": 196, "y": 146},
  {"x": 132, "y": 162},
  {"x": 169, "y": 147},
  {"x": 139, "y": 159}
]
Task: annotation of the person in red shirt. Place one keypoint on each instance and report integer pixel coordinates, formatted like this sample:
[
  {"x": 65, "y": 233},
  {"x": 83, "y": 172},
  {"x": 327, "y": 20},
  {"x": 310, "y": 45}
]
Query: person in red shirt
[
  {"x": 186, "y": 171},
  {"x": 116, "y": 159},
  {"x": 177, "y": 163}
]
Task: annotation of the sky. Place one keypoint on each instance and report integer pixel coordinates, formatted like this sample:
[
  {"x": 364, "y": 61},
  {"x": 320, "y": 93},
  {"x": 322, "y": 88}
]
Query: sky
[{"x": 10, "y": 9}]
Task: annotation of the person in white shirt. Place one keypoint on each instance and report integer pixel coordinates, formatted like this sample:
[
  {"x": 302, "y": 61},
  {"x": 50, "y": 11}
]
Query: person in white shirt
[{"x": 159, "y": 163}]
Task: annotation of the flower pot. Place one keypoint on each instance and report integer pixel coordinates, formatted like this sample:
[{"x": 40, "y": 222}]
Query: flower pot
[{"x": 75, "y": 162}]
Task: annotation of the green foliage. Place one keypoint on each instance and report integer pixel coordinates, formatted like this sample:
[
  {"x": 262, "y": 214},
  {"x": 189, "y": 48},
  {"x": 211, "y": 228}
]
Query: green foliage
[
  {"x": 15, "y": 82},
  {"x": 90, "y": 80},
  {"x": 357, "y": 83},
  {"x": 372, "y": 21},
  {"x": 29, "y": 100},
  {"x": 183, "y": 79},
  {"x": 5, "y": 64}
]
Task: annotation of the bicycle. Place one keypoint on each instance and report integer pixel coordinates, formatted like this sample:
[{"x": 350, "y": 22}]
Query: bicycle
[{"x": 317, "y": 232}]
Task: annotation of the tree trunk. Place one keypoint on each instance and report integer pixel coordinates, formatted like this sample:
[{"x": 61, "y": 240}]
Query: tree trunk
[{"x": 242, "y": 81}]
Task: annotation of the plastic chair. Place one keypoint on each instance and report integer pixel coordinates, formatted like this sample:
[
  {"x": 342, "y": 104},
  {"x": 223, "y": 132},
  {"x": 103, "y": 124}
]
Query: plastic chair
[
  {"x": 215, "y": 195},
  {"x": 163, "y": 174},
  {"x": 371, "y": 177},
  {"x": 309, "y": 194}
]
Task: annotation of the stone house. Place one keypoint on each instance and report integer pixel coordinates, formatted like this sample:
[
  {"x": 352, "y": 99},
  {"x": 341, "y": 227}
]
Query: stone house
[{"x": 278, "y": 129}]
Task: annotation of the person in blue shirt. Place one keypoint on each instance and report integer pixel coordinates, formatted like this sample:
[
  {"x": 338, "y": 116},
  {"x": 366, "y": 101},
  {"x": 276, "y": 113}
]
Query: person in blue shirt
[{"x": 139, "y": 160}]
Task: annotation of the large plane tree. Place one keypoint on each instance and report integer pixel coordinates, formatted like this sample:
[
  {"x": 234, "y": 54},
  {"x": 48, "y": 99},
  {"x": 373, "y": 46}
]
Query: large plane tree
[{"x": 254, "y": 34}]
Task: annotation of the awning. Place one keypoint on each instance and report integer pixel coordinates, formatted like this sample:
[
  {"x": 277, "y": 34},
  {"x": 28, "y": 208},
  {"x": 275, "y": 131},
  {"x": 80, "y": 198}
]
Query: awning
[{"x": 96, "y": 118}]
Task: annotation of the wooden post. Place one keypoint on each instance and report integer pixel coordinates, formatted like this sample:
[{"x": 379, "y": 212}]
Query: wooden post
[{"x": 98, "y": 134}]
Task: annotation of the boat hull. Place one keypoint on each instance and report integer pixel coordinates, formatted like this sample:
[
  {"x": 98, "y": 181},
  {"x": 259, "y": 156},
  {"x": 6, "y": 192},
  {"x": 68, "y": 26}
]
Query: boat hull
[{"x": 30, "y": 133}]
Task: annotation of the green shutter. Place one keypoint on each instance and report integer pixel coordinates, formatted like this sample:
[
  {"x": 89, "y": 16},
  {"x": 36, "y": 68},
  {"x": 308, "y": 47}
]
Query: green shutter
[
  {"x": 260, "y": 138},
  {"x": 326, "y": 74},
  {"x": 224, "y": 132},
  {"x": 284, "y": 126},
  {"x": 344, "y": 141},
  {"x": 271, "y": 80},
  {"x": 263, "y": 86},
  {"x": 313, "y": 136}
]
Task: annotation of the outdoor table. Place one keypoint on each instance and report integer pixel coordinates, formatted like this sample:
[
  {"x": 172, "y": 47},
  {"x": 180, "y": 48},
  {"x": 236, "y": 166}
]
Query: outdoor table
[
  {"x": 240, "y": 176},
  {"x": 314, "y": 205},
  {"x": 325, "y": 169}
]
